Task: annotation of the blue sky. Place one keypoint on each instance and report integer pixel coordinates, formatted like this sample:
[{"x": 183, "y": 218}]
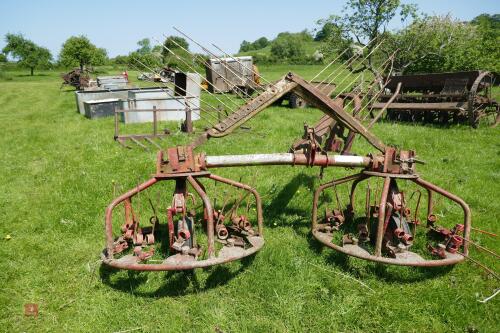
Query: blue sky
[{"x": 118, "y": 25}]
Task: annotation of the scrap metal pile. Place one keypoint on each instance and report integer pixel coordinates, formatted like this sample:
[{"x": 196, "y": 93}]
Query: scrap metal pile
[
  {"x": 197, "y": 231},
  {"x": 81, "y": 80},
  {"x": 77, "y": 78},
  {"x": 165, "y": 74}
]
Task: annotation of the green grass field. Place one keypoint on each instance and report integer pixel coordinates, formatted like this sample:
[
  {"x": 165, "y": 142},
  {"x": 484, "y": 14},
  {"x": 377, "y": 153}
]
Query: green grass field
[
  {"x": 57, "y": 174},
  {"x": 309, "y": 48}
]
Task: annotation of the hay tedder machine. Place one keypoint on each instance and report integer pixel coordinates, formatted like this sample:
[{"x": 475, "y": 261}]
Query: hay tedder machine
[
  {"x": 441, "y": 97},
  {"x": 193, "y": 230}
]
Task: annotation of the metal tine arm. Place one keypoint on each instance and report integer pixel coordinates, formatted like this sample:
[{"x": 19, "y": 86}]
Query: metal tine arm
[
  {"x": 350, "y": 62},
  {"x": 382, "y": 67},
  {"x": 366, "y": 57},
  {"x": 374, "y": 97},
  {"x": 157, "y": 85},
  {"x": 329, "y": 64},
  {"x": 212, "y": 54},
  {"x": 339, "y": 70},
  {"x": 372, "y": 85},
  {"x": 379, "y": 92},
  {"x": 194, "y": 70},
  {"x": 347, "y": 87},
  {"x": 191, "y": 95},
  {"x": 341, "y": 54}
]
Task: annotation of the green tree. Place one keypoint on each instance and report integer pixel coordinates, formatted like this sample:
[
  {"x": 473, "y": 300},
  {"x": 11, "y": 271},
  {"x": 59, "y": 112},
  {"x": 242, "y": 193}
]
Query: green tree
[
  {"x": 326, "y": 31},
  {"x": 246, "y": 46},
  {"x": 288, "y": 47},
  {"x": 27, "y": 53},
  {"x": 436, "y": 44},
  {"x": 157, "y": 49},
  {"x": 120, "y": 60},
  {"x": 488, "y": 27},
  {"x": 173, "y": 43},
  {"x": 258, "y": 44},
  {"x": 3, "y": 57},
  {"x": 490, "y": 21},
  {"x": 79, "y": 51},
  {"x": 180, "y": 47},
  {"x": 144, "y": 46},
  {"x": 363, "y": 21},
  {"x": 146, "y": 62}
]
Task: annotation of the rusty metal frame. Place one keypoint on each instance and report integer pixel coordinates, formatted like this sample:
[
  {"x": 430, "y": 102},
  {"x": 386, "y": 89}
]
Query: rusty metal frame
[
  {"x": 182, "y": 164},
  {"x": 326, "y": 238},
  {"x": 290, "y": 83},
  {"x": 178, "y": 262},
  {"x": 468, "y": 105}
]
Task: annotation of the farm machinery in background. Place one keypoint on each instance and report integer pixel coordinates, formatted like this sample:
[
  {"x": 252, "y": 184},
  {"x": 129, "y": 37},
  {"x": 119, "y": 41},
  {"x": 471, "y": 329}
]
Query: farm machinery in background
[
  {"x": 77, "y": 78},
  {"x": 441, "y": 97},
  {"x": 386, "y": 229},
  {"x": 232, "y": 74},
  {"x": 81, "y": 80},
  {"x": 165, "y": 75}
]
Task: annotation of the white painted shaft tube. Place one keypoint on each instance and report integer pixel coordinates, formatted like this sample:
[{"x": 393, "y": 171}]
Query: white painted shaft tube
[{"x": 285, "y": 159}]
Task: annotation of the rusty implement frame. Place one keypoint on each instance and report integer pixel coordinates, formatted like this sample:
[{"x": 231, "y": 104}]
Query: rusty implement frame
[
  {"x": 441, "y": 97},
  {"x": 395, "y": 248},
  {"x": 239, "y": 235},
  {"x": 184, "y": 256}
]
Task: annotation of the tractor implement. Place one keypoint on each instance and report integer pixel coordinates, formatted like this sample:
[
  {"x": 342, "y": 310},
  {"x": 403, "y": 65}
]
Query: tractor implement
[{"x": 386, "y": 232}]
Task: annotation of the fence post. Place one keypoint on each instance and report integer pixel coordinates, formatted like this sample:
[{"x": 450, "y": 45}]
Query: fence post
[
  {"x": 155, "y": 121},
  {"x": 188, "y": 123},
  {"x": 116, "y": 122}
]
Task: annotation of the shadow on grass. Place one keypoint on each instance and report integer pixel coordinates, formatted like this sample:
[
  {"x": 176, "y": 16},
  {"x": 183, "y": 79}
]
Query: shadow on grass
[
  {"x": 360, "y": 268},
  {"x": 279, "y": 205},
  {"x": 34, "y": 75},
  {"x": 177, "y": 283},
  {"x": 67, "y": 90},
  {"x": 422, "y": 123}
]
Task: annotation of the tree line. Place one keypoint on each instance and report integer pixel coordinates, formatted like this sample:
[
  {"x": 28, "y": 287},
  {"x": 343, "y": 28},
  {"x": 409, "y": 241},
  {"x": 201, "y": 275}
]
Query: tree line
[
  {"x": 424, "y": 44},
  {"x": 79, "y": 51}
]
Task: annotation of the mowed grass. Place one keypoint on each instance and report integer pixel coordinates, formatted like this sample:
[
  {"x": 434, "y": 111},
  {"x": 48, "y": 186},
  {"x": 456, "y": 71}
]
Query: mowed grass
[{"x": 57, "y": 174}]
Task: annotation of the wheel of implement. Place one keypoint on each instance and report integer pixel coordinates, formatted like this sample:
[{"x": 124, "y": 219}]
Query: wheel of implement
[
  {"x": 296, "y": 102},
  {"x": 480, "y": 103},
  {"x": 386, "y": 232}
]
